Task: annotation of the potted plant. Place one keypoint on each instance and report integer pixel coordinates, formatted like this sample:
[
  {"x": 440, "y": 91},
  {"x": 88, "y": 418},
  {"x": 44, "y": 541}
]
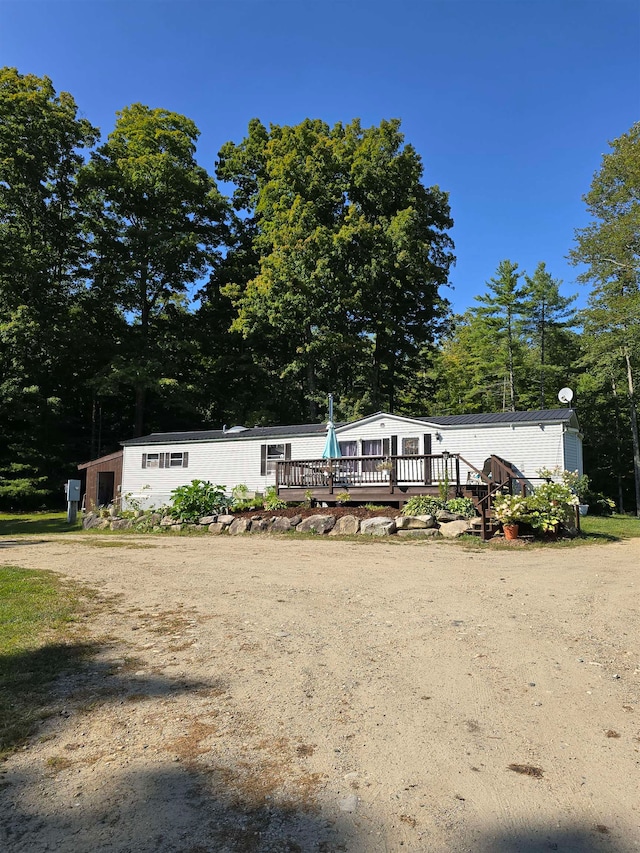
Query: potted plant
[{"x": 510, "y": 510}]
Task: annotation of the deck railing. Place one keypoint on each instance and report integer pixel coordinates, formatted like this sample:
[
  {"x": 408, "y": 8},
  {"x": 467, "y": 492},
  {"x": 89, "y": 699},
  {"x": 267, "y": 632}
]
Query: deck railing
[{"x": 353, "y": 471}]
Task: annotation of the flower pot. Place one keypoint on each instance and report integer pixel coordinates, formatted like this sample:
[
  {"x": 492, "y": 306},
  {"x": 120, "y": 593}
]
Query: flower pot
[
  {"x": 510, "y": 531},
  {"x": 583, "y": 509}
]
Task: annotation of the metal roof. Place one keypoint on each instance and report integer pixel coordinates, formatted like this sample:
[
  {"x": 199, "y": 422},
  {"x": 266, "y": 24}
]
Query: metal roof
[
  {"x": 227, "y": 435},
  {"x": 539, "y": 416},
  {"x": 291, "y": 430}
]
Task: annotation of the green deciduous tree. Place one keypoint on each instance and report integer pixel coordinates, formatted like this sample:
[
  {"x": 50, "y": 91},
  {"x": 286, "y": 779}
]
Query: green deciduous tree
[
  {"x": 41, "y": 251},
  {"x": 346, "y": 250},
  {"x": 610, "y": 249},
  {"x": 156, "y": 222}
]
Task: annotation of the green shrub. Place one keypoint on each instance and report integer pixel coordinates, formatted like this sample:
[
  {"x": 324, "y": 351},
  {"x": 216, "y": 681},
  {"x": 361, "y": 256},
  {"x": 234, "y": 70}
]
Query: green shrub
[
  {"x": 271, "y": 499},
  {"x": 196, "y": 499},
  {"x": 423, "y": 505},
  {"x": 599, "y": 504},
  {"x": 461, "y": 506}
]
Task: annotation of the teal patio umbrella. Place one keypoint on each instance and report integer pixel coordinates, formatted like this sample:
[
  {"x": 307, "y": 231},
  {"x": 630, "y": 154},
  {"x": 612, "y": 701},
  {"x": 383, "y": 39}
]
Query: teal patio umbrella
[{"x": 331, "y": 446}]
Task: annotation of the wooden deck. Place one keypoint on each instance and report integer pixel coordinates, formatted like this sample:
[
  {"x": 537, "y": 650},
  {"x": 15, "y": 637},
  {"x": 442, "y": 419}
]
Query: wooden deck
[
  {"x": 394, "y": 479},
  {"x": 369, "y": 479}
]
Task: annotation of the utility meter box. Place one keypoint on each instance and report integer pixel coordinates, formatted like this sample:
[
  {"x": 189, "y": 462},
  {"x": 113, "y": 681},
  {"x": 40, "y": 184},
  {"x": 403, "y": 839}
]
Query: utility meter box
[{"x": 73, "y": 490}]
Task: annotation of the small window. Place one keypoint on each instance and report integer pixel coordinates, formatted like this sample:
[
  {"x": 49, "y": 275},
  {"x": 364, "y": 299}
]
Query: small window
[
  {"x": 165, "y": 460},
  {"x": 272, "y": 453},
  {"x": 410, "y": 446},
  {"x": 150, "y": 460},
  {"x": 275, "y": 452}
]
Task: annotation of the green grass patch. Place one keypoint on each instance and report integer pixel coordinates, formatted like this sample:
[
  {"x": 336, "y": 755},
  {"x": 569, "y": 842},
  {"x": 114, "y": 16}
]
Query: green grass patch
[
  {"x": 37, "y": 611},
  {"x": 611, "y": 528},
  {"x": 34, "y": 523}
]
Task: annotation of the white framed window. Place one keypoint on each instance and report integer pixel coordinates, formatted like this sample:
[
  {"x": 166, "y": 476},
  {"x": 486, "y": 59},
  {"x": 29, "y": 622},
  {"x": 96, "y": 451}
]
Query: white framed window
[
  {"x": 272, "y": 453},
  {"x": 411, "y": 446},
  {"x": 178, "y": 459}
]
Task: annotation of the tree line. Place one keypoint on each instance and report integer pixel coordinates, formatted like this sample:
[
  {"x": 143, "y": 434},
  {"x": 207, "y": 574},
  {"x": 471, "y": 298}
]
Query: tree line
[{"x": 141, "y": 292}]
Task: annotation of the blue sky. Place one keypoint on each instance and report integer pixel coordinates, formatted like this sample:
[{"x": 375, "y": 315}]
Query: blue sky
[{"x": 509, "y": 103}]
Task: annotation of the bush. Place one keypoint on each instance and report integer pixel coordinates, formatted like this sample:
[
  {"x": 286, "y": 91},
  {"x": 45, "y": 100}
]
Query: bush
[
  {"x": 599, "y": 504},
  {"x": 196, "y": 499},
  {"x": 461, "y": 506},
  {"x": 271, "y": 499},
  {"x": 422, "y": 505}
]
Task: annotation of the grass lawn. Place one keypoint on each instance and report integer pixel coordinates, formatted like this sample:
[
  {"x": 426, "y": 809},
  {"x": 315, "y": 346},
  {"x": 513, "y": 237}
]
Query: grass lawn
[
  {"x": 17, "y": 524},
  {"x": 611, "y": 528},
  {"x": 37, "y": 612}
]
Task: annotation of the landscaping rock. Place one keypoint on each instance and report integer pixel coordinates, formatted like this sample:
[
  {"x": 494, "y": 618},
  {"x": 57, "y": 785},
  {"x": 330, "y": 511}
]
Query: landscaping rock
[
  {"x": 103, "y": 524},
  {"x": 91, "y": 520},
  {"x": 410, "y": 522},
  {"x": 295, "y": 520},
  {"x": 281, "y": 525},
  {"x": 208, "y": 519},
  {"x": 120, "y": 524},
  {"x": 424, "y": 533},
  {"x": 226, "y": 519},
  {"x": 316, "y": 524},
  {"x": 381, "y": 525},
  {"x": 446, "y": 516},
  {"x": 155, "y": 518},
  {"x": 167, "y": 521},
  {"x": 239, "y": 525},
  {"x": 429, "y": 520},
  {"x": 346, "y": 525},
  {"x": 259, "y": 525},
  {"x": 177, "y": 527},
  {"x": 217, "y": 528},
  {"x": 453, "y": 529}
]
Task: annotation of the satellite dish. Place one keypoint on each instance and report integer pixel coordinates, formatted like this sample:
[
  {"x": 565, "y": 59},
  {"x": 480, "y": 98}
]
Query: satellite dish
[{"x": 565, "y": 395}]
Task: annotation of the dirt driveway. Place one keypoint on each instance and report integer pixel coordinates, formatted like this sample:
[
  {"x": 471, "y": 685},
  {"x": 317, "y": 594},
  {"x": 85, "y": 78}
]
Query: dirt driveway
[{"x": 255, "y": 695}]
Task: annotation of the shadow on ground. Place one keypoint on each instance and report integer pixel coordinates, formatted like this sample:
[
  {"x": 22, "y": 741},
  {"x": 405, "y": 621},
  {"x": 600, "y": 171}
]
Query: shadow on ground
[
  {"x": 13, "y": 543},
  {"x": 541, "y": 839},
  {"x": 38, "y": 683},
  {"x": 167, "y": 809}
]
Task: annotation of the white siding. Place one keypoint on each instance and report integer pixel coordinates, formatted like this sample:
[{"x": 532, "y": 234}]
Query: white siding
[
  {"x": 227, "y": 463},
  {"x": 572, "y": 451},
  {"x": 233, "y": 461}
]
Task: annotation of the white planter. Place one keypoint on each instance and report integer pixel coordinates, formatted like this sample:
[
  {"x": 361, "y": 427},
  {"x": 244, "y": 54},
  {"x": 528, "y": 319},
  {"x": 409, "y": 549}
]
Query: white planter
[{"x": 583, "y": 509}]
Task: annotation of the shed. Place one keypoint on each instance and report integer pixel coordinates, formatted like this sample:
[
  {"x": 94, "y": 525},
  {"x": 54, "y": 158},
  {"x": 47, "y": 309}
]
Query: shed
[{"x": 103, "y": 479}]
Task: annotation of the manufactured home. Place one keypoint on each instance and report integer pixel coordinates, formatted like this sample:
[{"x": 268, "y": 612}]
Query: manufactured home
[{"x": 383, "y": 457}]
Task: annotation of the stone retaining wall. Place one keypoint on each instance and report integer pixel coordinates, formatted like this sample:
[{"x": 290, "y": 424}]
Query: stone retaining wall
[{"x": 443, "y": 524}]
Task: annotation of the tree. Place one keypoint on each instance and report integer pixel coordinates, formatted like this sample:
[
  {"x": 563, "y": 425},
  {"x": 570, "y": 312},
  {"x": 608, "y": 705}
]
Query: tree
[
  {"x": 41, "y": 251},
  {"x": 501, "y": 307},
  {"x": 610, "y": 249},
  {"x": 157, "y": 219},
  {"x": 546, "y": 315},
  {"x": 348, "y": 249}
]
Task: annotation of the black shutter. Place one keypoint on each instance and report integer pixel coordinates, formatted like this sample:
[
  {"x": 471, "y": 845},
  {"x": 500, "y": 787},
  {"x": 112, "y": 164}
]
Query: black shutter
[
  {"x": 394, "y": 445},
  {"x": 161, "y": 460},
  {"x": 263, "y": 460},
  {"x": 185, "y": 459},
  {"x": 287, "y": 451},
  {"x": 427, "y": 444},
  {"x": 385, "y": 446},
  {"x": 144, "y": 460}
]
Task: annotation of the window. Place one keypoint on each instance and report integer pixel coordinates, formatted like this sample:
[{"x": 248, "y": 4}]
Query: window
[
  {"x": 270, "y": 454},
  {"x": 410, "y": 446},
  {"x": 371, "y": 447},
  {"x": 165, "y": 460}
]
